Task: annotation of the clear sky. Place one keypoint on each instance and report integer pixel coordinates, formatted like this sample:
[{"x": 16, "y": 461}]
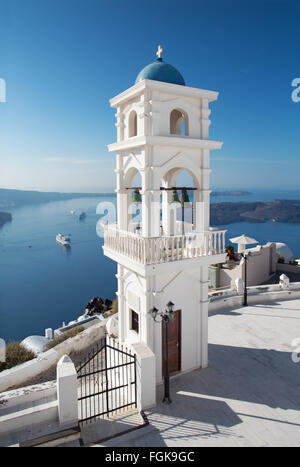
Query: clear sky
[{"x": 63, "y": 60}]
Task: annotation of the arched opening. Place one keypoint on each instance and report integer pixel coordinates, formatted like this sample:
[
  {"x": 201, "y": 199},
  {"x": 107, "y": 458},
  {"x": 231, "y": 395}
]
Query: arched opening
[
  {"x": 135, "y": 203},
  {"x": 179, "y": 123},
  {"x": 132, "y": 124},
  {"x": 185, "y": 213},
  {"x": 179, "y": 188}
]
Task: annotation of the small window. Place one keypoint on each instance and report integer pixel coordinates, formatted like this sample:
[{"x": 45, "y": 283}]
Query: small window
[
  {"x": 132, "y": 123},
  {"x": 134, "y": 321},
  {"x": 179, "y": 124}
]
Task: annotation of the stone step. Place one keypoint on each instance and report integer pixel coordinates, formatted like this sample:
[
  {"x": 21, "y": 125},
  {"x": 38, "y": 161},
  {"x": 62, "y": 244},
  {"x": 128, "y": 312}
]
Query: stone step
[
  {"x": 107, "y": 428},
  {"x": 25, "y": 396},
  {"x": 29, "y": 416},
  {"x": 58, "y": 438},
  {"x": 17, "y": 404}
]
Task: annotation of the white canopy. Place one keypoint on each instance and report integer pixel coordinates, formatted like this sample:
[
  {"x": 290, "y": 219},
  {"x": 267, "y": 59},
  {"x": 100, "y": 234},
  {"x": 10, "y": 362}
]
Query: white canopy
[{"x": 242, "y": 241}]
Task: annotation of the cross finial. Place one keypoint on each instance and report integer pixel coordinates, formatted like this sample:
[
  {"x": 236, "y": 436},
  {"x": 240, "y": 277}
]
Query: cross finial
[{"x": 159, "y": 51}]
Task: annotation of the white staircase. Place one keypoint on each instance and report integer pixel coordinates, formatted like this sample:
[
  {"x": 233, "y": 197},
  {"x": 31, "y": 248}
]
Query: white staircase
[{"x": 26, "y": 416}]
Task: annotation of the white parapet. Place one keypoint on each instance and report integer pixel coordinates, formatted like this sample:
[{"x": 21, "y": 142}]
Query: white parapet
[
  {"x": 23, "y": 373},
  {"x": 153, "y": 250},
  {"x": 146, "y": 379},
  {"x": 67, "y": 392}
]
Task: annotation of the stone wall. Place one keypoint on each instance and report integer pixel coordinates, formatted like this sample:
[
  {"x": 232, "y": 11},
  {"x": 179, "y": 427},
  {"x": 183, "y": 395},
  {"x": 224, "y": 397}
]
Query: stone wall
[
  {"x": 261, "y": 265},
  {"x": 23, "y": 373},
  {"x": 229, "y": 298}
]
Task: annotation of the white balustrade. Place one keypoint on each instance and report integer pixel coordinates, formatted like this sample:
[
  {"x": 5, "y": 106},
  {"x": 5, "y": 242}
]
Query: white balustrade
[
  {"x": 153, "y": 250},
  {"x": 183, "y": 228}
]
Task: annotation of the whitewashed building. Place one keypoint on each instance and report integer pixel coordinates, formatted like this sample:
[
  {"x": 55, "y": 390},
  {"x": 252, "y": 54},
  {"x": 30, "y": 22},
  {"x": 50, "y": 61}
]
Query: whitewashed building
[{"x": 162, "y": 130}]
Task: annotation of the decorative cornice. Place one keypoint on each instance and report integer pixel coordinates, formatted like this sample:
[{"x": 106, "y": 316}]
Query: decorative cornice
[
  {"x": 167, "y": 88},
  {"x": 178, "y": 141}
]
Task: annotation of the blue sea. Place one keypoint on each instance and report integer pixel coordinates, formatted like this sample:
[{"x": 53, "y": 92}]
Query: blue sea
[{"x": 43, "y": 284}]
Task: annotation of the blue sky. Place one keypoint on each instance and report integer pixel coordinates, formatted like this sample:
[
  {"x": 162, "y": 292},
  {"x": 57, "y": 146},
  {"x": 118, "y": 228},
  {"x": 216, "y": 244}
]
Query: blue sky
[{"x": 63, "y": 60}]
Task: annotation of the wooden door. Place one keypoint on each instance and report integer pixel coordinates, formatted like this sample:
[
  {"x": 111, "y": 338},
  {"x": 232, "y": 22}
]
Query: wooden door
[{"x": 174, "y": 344}]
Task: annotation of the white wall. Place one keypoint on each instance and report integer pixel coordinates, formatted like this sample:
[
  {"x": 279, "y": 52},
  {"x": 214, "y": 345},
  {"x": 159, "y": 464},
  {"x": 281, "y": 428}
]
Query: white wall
[
  {"x": 23, "y": 373},
  {"x": 288, "y": 268},
  {"x": 184, "y": 289},
  {"x": 261, "y": 265},
  {"x": 227, "y": 299},
  {"x": 23, "y": 409},
  {"x": 33, "y": 409},
  {"x": 184, "y": 293},
  {"x": 145, "y": 372}
]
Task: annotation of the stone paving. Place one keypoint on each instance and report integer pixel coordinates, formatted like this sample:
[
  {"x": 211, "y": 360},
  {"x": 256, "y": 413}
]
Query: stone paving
[{"x": 249, "y": 395}]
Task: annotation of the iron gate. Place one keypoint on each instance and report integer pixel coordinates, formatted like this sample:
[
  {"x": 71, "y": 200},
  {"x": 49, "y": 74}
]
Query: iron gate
[{"x": 106, "y": 381}]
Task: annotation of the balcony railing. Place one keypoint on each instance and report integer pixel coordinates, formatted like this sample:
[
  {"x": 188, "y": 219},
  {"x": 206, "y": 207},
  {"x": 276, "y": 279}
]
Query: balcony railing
[{"x": 153, "y": 250}]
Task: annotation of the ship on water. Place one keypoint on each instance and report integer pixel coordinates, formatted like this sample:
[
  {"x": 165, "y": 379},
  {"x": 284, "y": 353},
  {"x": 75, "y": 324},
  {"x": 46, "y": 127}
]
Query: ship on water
[{"x": 63, "y": 239}]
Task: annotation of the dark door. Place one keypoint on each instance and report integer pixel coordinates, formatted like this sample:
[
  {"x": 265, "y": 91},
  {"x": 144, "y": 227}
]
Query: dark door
[{"x": 174, "y": 344}]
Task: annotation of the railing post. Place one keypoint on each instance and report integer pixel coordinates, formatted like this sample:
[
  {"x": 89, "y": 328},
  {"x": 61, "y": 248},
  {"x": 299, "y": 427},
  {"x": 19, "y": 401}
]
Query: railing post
[
  {"x": 67, "y": 395},
  {"x": 106, "y": 378}
]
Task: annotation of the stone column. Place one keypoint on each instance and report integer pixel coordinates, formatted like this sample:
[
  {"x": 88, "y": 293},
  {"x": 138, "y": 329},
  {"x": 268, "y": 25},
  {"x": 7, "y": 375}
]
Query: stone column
[
  {"x": 205, "y": 122},
  {"x": 146, "y": 382},
  {"x": 121, "y": 303},
  {"x": 120, "y": 124},
  {"x": 204, "y": 316},
  {"x": 67, "y": 395},
  {"x": 146, "y": 198}
]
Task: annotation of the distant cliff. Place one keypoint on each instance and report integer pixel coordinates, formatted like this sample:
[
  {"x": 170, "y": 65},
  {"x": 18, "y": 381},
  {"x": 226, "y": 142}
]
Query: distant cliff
[
  {"x": 16, "y": 198},
  {"x": 5, "y": 217},
  {"x": 230, "y": 193},
  {"x": 277, "y": 211}
]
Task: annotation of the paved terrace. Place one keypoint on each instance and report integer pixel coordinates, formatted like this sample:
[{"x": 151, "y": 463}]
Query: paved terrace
[{"x": 249, "y": 395}]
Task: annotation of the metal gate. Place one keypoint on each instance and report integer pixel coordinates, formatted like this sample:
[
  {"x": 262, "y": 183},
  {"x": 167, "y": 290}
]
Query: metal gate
[{"x": 106, "y": 381}]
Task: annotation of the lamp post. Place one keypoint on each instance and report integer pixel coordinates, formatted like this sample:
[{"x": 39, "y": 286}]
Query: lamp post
[
  {"x": 165, "y": 316},
  {"x": 245, "y": 303}
]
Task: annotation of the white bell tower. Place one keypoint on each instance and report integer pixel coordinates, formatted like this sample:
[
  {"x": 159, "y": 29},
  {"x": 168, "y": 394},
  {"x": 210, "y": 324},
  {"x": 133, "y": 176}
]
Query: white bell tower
[{"x": 162, "y": 130}]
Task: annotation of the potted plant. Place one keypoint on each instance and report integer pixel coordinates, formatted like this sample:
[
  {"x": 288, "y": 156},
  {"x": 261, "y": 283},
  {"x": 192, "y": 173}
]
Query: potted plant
[{"x": 230, "y": 252}]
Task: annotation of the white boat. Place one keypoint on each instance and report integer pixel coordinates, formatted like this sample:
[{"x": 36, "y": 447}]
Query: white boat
[{"x": 63, "y": 239}]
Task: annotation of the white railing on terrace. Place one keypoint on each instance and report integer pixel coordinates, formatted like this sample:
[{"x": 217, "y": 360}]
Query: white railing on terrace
[{"x": 153, "y": 250}]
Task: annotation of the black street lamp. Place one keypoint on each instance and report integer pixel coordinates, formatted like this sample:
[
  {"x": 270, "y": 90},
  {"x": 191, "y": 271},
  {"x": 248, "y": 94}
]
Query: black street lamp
[
  {"x": 165, "y": 316},
  {"x": 246, "y": 257}
]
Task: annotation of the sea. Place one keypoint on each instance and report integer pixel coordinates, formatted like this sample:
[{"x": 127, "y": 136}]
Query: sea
[{"x": 43, "y": 284}]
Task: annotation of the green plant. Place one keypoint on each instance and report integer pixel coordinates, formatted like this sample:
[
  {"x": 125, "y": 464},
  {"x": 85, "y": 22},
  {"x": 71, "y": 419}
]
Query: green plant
[
  {"x": 293, "y": 262},
  {"x": 230, "y": 252},
  {"x": 113, "y": 310},
  {"x": 64, "y": 336},
  {"x": 16, "y": 354}
]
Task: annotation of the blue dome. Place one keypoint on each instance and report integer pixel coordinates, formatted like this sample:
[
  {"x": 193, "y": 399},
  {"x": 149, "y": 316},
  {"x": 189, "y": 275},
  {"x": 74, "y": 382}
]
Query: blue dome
[{"x": 160, "y": 71}]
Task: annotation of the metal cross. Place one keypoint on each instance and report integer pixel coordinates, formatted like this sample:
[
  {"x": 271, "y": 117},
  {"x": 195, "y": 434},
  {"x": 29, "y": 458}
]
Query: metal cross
[{"x": 159, "y": 51}]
